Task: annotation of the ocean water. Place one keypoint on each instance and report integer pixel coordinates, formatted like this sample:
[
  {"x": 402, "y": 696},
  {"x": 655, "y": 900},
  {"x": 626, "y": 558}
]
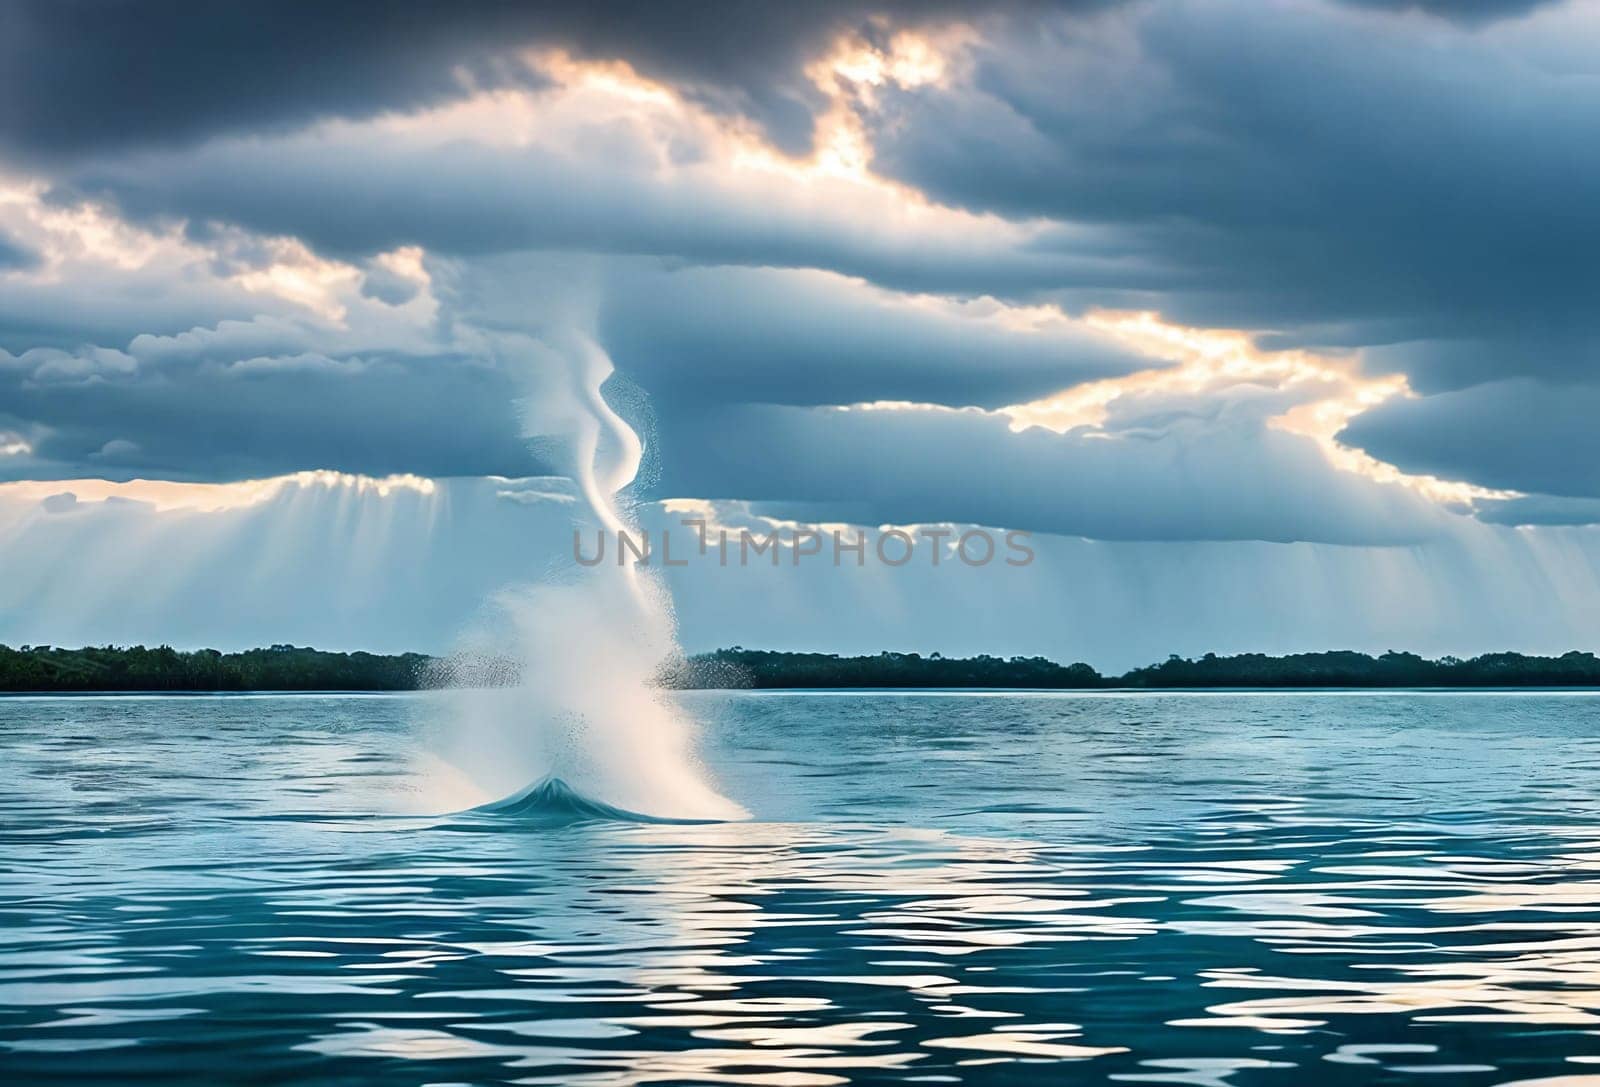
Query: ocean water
[{"x": 1367, "y": 888}]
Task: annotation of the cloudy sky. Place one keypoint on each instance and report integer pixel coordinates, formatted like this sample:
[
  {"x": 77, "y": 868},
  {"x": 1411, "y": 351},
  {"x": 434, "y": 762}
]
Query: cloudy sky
[{"x": 1272, "y": 321}]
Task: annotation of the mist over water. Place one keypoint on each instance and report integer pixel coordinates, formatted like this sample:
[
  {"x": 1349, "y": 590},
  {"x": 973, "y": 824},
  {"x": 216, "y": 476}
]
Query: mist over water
[{"x": 585, "y": 646}]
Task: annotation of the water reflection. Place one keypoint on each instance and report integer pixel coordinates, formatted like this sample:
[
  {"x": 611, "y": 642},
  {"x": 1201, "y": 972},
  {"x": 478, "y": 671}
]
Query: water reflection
[{"x": 1203, "y": 891}]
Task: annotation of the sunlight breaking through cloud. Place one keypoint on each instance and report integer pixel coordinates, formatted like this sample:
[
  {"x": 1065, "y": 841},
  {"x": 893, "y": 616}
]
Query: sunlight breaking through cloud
[
  {"x": 1326, "y": 391},
  {"x": 163, "y": 495}
]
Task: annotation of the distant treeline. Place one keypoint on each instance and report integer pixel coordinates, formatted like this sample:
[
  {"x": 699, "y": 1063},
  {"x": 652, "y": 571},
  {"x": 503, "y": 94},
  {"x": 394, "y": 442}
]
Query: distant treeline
[
  {"x": 289, "y": 668},
  {"x": 739, "y": 667},
  {"x": 1347, "y": 669},
  {"x": 135, "y": 668}
]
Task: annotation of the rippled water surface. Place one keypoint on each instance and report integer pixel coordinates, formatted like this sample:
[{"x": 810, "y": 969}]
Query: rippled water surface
[{"x": 935, "y": 888}]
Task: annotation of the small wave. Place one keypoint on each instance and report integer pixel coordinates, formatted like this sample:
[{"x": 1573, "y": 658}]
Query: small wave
[{"x": 551, "y": 802}]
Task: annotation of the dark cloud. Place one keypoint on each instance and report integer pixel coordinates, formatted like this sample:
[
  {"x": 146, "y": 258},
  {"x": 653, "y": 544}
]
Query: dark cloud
[
  {"x": 102, "y": 305},
  {"x": 1336, "y": 178},
  {"x": 709, "y": 336},
  {"x": 359, "y": 193},
  {"x": 1522, "y": 435},
  {"x": 1299, "y": 168},
  {"x": 108, "y": 414},
  {"x": 1190, "y": 476},
  {"x": 1540, "y": 509},
  {"x": 252, "y": 398},
  {"x": 88, "y": 75},
  {"x": 1466, "y": 11},
  {"x": 1561, "y": 354},
  {"x": 81, "y": 74},
  {"x": 1413, "y": 185}
]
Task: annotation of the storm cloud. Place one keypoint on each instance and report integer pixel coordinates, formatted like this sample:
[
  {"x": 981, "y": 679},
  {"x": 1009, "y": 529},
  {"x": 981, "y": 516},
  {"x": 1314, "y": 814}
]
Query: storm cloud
[
  {"x": 88, "y": 75},
  {"x": 836, "y": 243},
  {"x": 1295, "y": 168},
  {"x": 1519, "y": 434}
]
